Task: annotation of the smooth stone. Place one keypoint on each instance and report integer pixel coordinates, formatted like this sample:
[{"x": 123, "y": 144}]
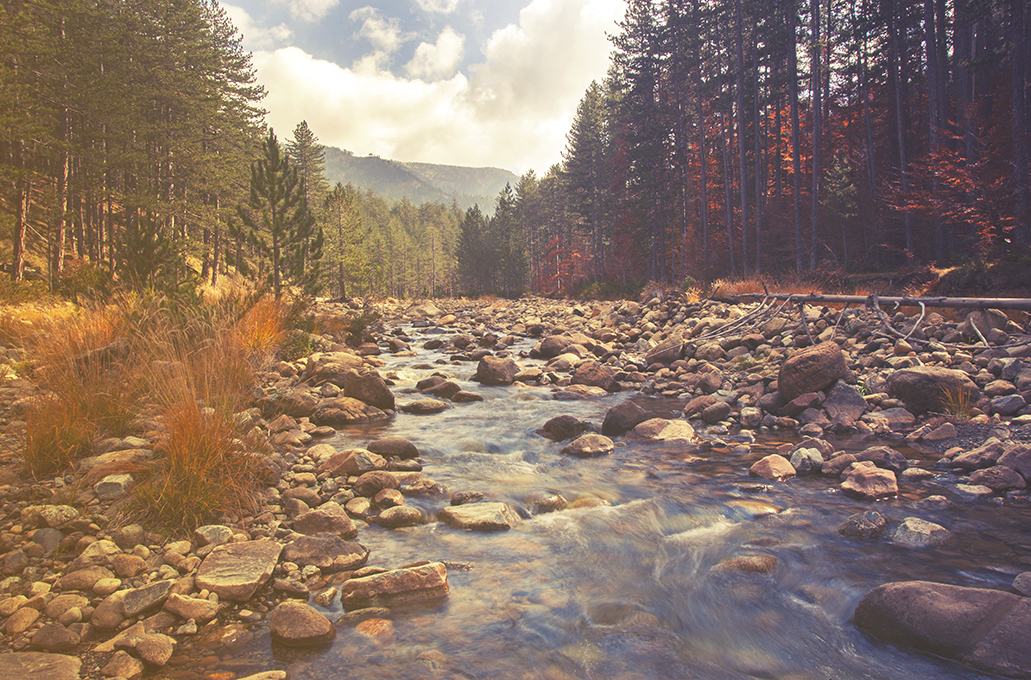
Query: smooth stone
[
  {"x": 917, "y": 533},
  {"x": 863, "y": 525},
  {"x": 588, "y": 445},
  {"x": 200, "y": 610},
  {"x": 299, "y": 625},
  {"x": 328, "y": 518},
  {"x": 328, "y": 552},
  {"x": 773, "y": 466},
  {"x": 54, "y": 637},
  {"x": 400, "y": 516}
]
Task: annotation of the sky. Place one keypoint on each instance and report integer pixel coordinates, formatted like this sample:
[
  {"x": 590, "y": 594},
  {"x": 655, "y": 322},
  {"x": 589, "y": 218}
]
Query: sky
[{"x": 490, "y": 83}]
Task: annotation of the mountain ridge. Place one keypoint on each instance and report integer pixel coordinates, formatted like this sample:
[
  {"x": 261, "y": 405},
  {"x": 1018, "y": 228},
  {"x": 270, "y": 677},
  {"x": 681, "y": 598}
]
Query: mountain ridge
[{"x": 418, "y": 182}]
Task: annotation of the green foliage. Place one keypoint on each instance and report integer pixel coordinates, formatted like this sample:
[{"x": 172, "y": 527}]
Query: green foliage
[
  {"x": 17, "y": 292},
  {"x": 360, "y": 325},
  {"x": 83, "y": 281},
  {"x": 280, "y": 224}
]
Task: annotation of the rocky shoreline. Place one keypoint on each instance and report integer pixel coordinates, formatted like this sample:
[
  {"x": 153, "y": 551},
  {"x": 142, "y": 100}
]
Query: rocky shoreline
[{"x": 83, "y": 597}]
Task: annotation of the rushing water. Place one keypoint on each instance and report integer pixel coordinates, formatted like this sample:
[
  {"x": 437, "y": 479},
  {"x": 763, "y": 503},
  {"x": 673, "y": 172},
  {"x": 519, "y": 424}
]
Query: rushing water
[{"x": 638, "y": 588}]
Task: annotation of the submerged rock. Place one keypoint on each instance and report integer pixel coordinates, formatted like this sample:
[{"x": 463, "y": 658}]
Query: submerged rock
[
  {"x": 299, "y": 625},
  {"x": 400, "y": 586}
]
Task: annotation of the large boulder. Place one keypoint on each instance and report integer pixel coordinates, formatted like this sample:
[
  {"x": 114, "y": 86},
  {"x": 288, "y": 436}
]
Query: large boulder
[
  {"x": 235, "y": 571},
  {"x": 622, "y": 418},
  {"x": 561, "y": 428},
  {"x": 494, "y": 370},
  {"x": 368, "y": 386},
  {"x": 551, "y": 346},
  {"x": 987, "y": 629},
  {"x": 328, "y": 518},
  {"x": 932, "y": 388},
  {"x": 666, "y": 352},
  {"x": 296, "y": 403},
  {"x": 811, "y": 369},
  {"x": 400, "y": 586}
]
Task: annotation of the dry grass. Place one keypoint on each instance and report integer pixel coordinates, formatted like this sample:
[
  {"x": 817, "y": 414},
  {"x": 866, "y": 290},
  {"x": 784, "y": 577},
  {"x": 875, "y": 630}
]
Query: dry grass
[
  {"x": 190, "y": 366},
  {"x": 958, "y": 403},
  {"x": 202, "y": 472}
]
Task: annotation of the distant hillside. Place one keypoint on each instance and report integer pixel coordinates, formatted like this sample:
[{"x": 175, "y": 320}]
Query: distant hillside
[{"x": 418, "y": 182}]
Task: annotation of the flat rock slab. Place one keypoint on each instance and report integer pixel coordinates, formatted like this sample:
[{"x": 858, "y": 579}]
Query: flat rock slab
[
  {"x": 39, "y": 666},
  {"x": 479, "y": 516},
  {"x": 400, "y": 586},
  {"x": 236, "y": 570},
  {"x": 328, "y": 552}
]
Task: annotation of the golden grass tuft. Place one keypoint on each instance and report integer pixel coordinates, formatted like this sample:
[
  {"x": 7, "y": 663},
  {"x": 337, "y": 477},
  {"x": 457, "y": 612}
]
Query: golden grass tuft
[
  {"x": 958, "y": 403},
  {"x": 202, "y": 472}
]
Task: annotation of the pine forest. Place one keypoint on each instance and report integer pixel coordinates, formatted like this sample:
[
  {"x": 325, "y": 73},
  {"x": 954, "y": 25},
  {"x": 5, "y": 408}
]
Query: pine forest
[{"x": 729, "y": 138}]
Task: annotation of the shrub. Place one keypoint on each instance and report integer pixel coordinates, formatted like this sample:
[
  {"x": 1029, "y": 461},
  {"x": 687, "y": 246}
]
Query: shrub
[{"x": 359, "y": 326}]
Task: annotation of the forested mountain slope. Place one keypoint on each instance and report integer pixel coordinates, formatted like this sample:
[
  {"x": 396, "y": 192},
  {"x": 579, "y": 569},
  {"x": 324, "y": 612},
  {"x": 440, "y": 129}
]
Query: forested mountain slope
[{"x": 418, "y": 182}]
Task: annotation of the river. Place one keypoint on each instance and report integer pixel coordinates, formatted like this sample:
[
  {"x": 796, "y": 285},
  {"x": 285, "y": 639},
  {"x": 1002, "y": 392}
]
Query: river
[{"x": 643, "y": 587}]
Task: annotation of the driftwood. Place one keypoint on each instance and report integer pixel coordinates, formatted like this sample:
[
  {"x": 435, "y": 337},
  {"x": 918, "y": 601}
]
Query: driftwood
[{"x": 1018, "y": 304}]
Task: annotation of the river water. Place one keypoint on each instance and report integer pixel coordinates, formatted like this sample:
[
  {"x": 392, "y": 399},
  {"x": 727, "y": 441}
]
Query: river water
[{"x": 639, "y": 588}]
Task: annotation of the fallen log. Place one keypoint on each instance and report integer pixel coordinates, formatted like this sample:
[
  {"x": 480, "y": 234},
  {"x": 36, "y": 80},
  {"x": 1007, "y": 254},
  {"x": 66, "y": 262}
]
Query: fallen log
[{"x": 1017, "y": 304}]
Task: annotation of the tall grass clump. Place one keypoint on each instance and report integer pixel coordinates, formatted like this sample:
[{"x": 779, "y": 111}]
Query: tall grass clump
[
  {"x": 82, "y": 365},
  {"x": 202, "y": 472}
]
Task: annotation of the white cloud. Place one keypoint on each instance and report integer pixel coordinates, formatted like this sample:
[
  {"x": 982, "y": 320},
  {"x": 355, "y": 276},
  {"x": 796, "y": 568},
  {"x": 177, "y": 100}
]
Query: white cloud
[
  {"x": 513, "y": 110},
  {"x": 441, "y": 6},
  {"x": 432, "y": 62},
  {"x": 385, "y": 35},
  {"x": 309, "y": 10},
  {"x": 255, "y": 37}
]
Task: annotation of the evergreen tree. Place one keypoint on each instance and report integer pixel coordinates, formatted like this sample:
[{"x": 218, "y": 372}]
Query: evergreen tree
[
  {"x": 279, "y": 221},
  {"x": 473, "y": 266}
]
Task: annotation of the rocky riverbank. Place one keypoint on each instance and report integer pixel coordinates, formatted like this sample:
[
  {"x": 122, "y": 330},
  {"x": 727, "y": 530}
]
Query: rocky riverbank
[{"x": 83, "y": 596}]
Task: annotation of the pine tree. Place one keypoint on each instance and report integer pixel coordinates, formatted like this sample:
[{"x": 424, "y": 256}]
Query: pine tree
[{"x": 280, "y": 223}]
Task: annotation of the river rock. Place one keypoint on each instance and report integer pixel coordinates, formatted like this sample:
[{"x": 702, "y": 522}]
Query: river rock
[
  {"x": 394, "y": 447},
  {"x": 299, "y": 625},
  {"x": 932, "y": 388},
  {"x": 589, "y": 445},
  {"x": 884, "y": 457},
  {"x": 39, "y": 666},
  {"x": 561, "y": 428},
  {"x": 425, "y": 406},
  {"x": 811, "y": 369},
  {"x": 330, "y": 367},
  {"x": 494, "y": 370},
  {"x": 914, "y": 532},
  {"x": 328, "y": 518},
  {"x": 773, "y": 466},
  {"x": 666, "y": 352},
  {"x": 194, "y": 608},
  {"x": 328, "y": 552},
  {"x": 867, "y": 481},
  {"x": 715, "y": 412},
  {"x": 660, "y": 429},
  {"x": 863, "y": 525},
  {"x": 367, "y": 386},
  {"x": 155, "y": 649},
  {"x": 98, "y": 553},
  {"x": 807, "y": 461},
  {"x": 844, "y": 400},
  {"x": 343, "y": 411},
  {"x": 1017, "y": 457},
  {"x": 479, "y": 516},
  {"x": 998, "y": 478},
  {"x": 371, "y": 483},
  {"x": 622, "y": 418},
  {"x": 298, "y": 403},
  {"x": 124, "y": 666},
  {"x": 400, "y": 586},
  {"x": 984, "y": 456},
  {"x": 987, "y": 629},
  {"x": 595, "y": 375},
  {"x": 139, "y": 600},
  {"x": 551, "y": 346},
  {"x": 236, "y": 570},
  {"x": 400, "y": 516},
  {"x": 53, "y": 637}
]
